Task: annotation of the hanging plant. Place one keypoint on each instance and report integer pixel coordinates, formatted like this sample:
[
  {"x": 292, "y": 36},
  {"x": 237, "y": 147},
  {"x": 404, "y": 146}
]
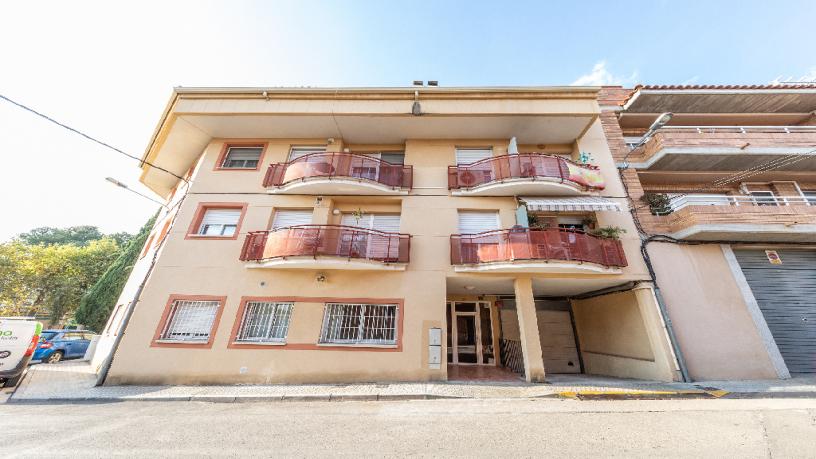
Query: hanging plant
[{"x": 358, "y": 214}]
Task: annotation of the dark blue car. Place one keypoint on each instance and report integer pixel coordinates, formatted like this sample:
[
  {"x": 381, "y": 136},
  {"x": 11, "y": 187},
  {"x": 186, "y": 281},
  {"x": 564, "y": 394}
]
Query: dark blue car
[{"x": 57, "y": 345}]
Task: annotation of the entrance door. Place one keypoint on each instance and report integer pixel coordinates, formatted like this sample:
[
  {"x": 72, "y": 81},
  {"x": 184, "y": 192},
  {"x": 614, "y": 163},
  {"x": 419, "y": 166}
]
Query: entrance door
[{"x": 470, "y": 333}]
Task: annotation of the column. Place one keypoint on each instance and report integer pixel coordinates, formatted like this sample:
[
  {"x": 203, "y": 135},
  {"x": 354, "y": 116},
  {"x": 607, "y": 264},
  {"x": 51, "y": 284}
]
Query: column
[{"x": 528, "y": 327}]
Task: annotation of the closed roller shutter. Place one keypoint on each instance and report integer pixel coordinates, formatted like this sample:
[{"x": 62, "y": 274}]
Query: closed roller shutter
[
  {"x": 387, "y": 223},
  {"x": 376, "y": 246},
  {"x": 286, "y": 217},
  {"x": 786, "y": 295},
  {"x": 297, "y": 152},
  {"x": 478, "y": 222},
  {"x": 471, "y": 155}
]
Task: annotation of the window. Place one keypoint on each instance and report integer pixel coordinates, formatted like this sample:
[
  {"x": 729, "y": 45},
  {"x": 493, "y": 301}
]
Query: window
[
  {"x": 360, "y": 324},
  {"x": 478, "y": 222},
  {"x": 393, "y": 157},
  {"x": 246, "y": 157},
  {"x": 190, "y": 321},
  {"x": 297, "y": 152},
  {"x": 810, "y": 197},
  {"x": 219, "y": 222},
  {"x": 764, "y": 198},
  {"x": 264, "y": 322},
  {"x": 113, "y": 318},
  {"x": 147, "y": 246},
  {"x": 471, "y": 155},
  {"x": 291, "y": 217}
]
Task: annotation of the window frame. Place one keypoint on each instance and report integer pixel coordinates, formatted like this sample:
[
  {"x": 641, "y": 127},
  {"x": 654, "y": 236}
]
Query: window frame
[
  {"x": 764, "y": 198},
  {"x": 222, "y": 156},
  {"x": 158, "y": 341},
  {"x": 358, "y": 341},
  {"x": 201, "y": 210}
]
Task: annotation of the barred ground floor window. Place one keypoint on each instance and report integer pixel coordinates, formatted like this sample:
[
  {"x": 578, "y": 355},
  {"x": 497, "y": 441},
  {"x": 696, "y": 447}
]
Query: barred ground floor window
[
  {"x": 190, "y": 321},
  {"x": 346, "y": 323},
  {"x": 264, "y": 322}
]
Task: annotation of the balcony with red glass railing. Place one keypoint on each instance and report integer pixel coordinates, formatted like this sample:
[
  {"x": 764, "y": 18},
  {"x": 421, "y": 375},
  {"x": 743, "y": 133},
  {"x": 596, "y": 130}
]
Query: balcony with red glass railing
[
  {"x": 339, "y": 173},
  {"x": 327, "y": 247},
  {"x": 536, "y": 250},
  {"x": 525, "y": 173}
]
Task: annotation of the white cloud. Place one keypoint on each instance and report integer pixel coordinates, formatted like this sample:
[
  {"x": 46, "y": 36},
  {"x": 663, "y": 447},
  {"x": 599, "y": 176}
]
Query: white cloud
[
  {"x": 808, "y": 77},
  {"x": 601, "y": 76}
]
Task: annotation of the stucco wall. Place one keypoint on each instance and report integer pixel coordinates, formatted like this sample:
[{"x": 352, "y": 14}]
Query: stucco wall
[
  {"x": 620, "y": 335},
  {"x": 713, "y": 326}
]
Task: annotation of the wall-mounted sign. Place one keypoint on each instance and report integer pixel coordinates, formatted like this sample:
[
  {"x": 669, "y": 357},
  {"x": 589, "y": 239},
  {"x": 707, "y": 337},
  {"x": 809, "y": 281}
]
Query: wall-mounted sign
[{"x": 773, "y": 257}]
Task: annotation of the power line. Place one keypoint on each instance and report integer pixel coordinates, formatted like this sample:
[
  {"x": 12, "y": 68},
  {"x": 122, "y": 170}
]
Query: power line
[{"x": 41, "y": 115}]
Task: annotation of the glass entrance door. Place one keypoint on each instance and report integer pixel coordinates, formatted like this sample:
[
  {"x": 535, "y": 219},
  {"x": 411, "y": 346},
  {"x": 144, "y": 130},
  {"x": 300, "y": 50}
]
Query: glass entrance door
[{"x": 470, "y": 333}]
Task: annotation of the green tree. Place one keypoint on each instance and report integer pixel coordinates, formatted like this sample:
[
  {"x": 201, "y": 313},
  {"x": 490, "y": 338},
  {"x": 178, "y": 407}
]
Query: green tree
[
  {"x": 101, "y": 297},
  {"x": 46, "y": 235}
]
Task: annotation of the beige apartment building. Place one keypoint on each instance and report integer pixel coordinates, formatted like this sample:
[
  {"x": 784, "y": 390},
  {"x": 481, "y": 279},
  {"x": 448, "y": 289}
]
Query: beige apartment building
[
  {"x": 723, "y": 180},
  {"x": 386, "y": 234}
]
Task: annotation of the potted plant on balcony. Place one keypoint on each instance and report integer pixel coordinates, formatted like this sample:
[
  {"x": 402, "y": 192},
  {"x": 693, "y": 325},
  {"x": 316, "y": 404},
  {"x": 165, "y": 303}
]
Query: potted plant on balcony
[
  {"x": 659, "y": 203},
  {"x": 608, "y": 232}
]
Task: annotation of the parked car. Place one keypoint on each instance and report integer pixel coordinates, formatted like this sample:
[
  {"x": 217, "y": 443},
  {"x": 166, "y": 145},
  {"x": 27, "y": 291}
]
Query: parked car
[
  {"x": 58, "y": 345},
  {"x": 18, "y": 338}
]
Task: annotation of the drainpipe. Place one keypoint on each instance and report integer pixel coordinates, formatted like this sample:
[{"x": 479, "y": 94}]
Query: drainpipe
[{"x": 661, "y": 304}]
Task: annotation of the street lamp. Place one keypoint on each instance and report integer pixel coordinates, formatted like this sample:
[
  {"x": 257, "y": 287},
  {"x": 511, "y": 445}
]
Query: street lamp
[
  {"x": 661, "y": 121},
  {"x": 122, "y": 185}
]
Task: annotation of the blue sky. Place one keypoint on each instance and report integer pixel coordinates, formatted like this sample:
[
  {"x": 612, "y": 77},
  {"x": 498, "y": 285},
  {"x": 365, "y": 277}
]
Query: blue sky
[{"x": 108, "y": 68}]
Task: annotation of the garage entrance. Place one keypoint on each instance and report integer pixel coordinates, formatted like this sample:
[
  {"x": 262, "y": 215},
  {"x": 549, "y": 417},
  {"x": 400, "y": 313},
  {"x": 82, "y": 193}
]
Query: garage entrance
[{"x": 785, "y": 291}]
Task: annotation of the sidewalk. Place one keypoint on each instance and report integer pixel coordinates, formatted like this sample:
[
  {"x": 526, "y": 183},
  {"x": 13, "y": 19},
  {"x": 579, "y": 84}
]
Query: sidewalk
[{"x": 74, "y": 381}]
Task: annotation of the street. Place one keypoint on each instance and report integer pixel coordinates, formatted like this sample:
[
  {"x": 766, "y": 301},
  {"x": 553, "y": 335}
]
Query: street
[{"x": 484, "y": 428}]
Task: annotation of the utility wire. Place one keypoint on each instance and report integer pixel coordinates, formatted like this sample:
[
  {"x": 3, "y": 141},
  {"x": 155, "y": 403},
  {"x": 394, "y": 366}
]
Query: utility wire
[{"x": 41, "y": 115}]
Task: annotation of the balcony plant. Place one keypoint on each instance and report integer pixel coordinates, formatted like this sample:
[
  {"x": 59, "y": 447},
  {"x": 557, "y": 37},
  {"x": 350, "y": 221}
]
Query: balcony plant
[
  {"x": 608, "y": 232},
  {"x": 659, "y": 203}
]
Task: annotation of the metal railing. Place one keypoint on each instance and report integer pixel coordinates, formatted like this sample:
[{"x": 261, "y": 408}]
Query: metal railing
[
  {"x": 681, "y": 202},
  {"x": 524, "y": 165},
  {"x": 556, "y": 244},
  {"x": 327, "y": 240},
  {"x": 339, "y": 165},
  {"x": 739, "y": 129}
]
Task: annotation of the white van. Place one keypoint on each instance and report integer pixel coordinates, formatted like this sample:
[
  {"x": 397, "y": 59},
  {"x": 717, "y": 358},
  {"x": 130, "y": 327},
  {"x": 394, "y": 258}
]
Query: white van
[{"x": 18, "y": 340}]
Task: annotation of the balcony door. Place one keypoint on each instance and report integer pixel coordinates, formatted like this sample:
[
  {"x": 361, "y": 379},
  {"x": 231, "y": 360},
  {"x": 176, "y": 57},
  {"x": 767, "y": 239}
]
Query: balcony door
[{"x": 369, "y": 245}]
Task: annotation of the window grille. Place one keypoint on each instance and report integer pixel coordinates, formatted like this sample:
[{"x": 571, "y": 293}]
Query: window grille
[
  {"x": 190, "y": 321},
  {"x": 265, "y": 322},
  {"x": 242, "y": 157},
  {"x": 359, "y": 324}
]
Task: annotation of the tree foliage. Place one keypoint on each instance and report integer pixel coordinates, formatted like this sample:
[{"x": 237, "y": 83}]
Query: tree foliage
[
  {"x": 100, "y": 299},
  {"x": 77, "y": 235},
  {"x": 46, "y": 271}
]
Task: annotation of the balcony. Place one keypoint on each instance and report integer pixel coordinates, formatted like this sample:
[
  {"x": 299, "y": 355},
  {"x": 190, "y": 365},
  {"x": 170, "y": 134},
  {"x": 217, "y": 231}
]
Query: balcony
[
  {"x": 742, "y": 218},
  {"x": 526, "y": 173},
  {"x": 338, "y": 173},
  {"x": 725, "y": 148},
  {"x": 326, "y": 247},
  {"x": 520, "y": 249}
]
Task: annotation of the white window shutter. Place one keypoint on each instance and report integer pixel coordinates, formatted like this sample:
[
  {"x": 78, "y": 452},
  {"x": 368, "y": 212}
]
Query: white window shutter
[
  {"x": 471, "y": 155},
  {"x": 297, "y": 152},
  {"x": 290, "y": 217},
  {"x": 478, "y": 222},
  {"x": 221, "y": 217}
]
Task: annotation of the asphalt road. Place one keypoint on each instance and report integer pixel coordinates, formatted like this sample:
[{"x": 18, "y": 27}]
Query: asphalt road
[{"x": 489, "y": 428}]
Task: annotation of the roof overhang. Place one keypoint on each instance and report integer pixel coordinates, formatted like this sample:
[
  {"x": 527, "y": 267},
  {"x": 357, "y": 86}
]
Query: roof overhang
[
  {"x": 765, "y": 100},
  {"x": 193, "y": 117}
]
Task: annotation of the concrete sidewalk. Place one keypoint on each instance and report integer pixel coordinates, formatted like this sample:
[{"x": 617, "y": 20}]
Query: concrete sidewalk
[{"x": 74, "y": 381}]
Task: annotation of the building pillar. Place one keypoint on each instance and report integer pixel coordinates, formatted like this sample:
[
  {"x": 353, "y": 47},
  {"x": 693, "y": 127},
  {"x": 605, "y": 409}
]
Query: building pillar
[{"x": 528, "y": 330}]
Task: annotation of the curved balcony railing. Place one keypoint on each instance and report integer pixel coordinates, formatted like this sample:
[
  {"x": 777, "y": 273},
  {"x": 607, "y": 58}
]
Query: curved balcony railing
[
  {"x": 339, "y": 165},
  {"x": 555, "y": 244},
  {"x": 530, "y": 166},
  {"x": 327, "y": 240}
]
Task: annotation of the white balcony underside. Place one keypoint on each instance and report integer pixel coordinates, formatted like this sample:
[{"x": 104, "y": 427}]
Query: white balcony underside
[
  {"x": 336, "y": 185},
  {"x": 524, "y": 186},
  {"x": 536, "y": 266},
  {"x": 724, "y": 158},
  {"x": 354, "y": 264},
  {"x": 748, "y": 232}
]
